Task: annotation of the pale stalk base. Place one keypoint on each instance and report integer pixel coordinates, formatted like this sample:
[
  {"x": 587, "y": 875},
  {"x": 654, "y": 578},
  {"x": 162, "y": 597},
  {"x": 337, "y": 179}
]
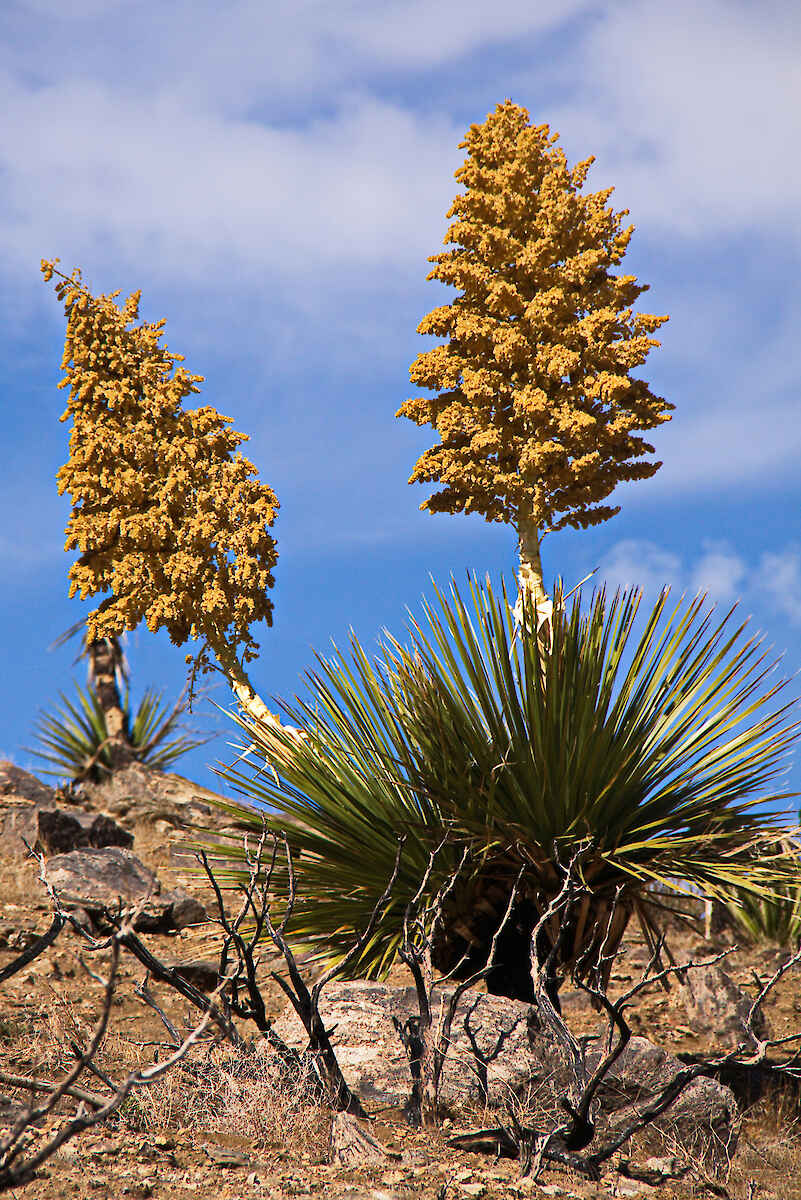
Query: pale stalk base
[
  {"x": 530, "y": 581},
  {"x": 253, "y": 705}
]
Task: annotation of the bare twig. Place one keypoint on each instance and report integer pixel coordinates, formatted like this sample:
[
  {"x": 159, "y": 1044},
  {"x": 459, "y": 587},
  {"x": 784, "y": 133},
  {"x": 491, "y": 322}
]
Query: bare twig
[
  {"x": 17, "y": 1167},
  {"x": 306, "y": 1001},
  {"x": 35, "y": 949},
  {"x": 42, "y": 1085},
  {"x": 246, "y": 931},
  {"x": 577, "y": 1142},
  {"x": 425, "y": 1040}
]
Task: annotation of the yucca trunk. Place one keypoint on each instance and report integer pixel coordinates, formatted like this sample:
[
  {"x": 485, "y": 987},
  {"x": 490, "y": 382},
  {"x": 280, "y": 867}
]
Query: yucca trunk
[
  {"x": 247, "y": 697},
  {"x": 104, "y": 657},
  {"x": 530, "y": 578},
  {"x": 531, "y": 584}
]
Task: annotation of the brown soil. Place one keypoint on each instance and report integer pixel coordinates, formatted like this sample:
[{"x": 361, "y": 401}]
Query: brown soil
[{"x": 167, "y": 1145}]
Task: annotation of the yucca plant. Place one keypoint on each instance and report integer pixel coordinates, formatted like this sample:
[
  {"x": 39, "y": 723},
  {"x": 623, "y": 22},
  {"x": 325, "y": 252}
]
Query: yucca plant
[
  {"x": 74, "y": 737},
  {"x": 772, "y": 919},
  {"x": 648, "y": 754}
]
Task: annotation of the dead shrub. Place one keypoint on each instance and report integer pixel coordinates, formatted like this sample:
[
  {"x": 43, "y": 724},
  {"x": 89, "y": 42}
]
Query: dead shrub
[{"x": 249, "y": 1092}]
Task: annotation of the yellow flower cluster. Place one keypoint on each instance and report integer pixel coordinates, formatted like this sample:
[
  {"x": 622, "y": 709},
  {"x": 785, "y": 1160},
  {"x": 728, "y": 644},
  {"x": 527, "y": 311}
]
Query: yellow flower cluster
[
  {"x": 168, "y": 518},
  {"x": 536, "y": 411}
]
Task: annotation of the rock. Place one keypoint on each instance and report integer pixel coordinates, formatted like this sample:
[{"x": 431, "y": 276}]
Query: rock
[
  {"x": 17, "y": 785},
  {"x": 654, "y": 1170},
  {"x": 21, "y": 795},
  {"x": 703, "y": 1119},
  {"x": 58, "y": 831},
  {"x": 498, "y": 1053},
  {"x": 30, "y": 810},
  {"x": 18, "y": 937},
  {"x": 352, "y": 1144},
  {"x": 98, "y": 879},
  {"x": 186, "y": 910},
  {"x": 716, "y": 1005},
  {"x": 372, "y": 1056},
  {"x": 138, "y": 793},
  {"x": 202, "y": 973},
  {"x": 222, "y": 1156}
]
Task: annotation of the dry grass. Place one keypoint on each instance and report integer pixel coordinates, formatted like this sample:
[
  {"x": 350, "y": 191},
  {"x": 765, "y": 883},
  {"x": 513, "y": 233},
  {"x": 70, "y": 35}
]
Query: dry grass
[{"x": 249, "y": 1093}]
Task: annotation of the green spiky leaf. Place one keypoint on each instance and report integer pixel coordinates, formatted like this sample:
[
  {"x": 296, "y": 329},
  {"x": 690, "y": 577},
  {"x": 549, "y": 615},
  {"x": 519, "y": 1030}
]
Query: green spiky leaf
[
  {"x": 73, "y": 737},
  {"x": 655, "y": 745}
]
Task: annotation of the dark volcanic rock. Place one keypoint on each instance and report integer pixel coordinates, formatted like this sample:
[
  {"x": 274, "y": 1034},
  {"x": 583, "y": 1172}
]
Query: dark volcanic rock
[{"x": 59, "y": 832}]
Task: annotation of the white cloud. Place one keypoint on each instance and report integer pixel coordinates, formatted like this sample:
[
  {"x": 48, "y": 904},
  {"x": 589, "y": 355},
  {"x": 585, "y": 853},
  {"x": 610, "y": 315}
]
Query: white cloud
[
  {"x": 693, "y": 111},
  {"x": 638, "y": 563},
  {"x": 288, "y": 49},
  {"x": 284, "y": 160},
  {"x": 180, "y": 149},
  {"x": 720, "y": 573},
  {"x": 88, "y": 167},
  {"x": 771, "y": 585},
  {"x": 779, "y": 575}
]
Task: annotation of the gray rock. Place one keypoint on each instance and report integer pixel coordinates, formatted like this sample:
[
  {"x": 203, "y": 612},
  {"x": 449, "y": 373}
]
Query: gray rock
[
  {"x": 17, "y": 785},
  {"x": 704, "y": 1119},
  {"x": 185, "y": 910},
  {"x": 98, "y": 879},
  {"x": 655, "y": 1170},
  {"x": 353, "y": 1145},
  {"x": 21, "y": 796},
  {"x": 373, "y": 1060},
  {"x": 202, "y": 973},
  {"x": 32, "y": 811},
  {"x": 499, "y": 1054},
  {"x": 716, "y": 1005},
  {"x": 137, "y": 793}
]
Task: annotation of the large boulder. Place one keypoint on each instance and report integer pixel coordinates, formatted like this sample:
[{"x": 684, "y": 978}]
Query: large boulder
[
  {"x": 501, "y": 1054},
  {"x": 98, "y": 879},
  {"x": 18, "y": 786},
  {"x": 716, "y": 1005},
  {"x": 704, "y": 1120},
  {"x": 22, "y": 795},
  {"x": 30, "y": 812},
  {"x": 58, "y": 831},
  {"x": 490, "y": 1055},
  {"x": 138, "y": 793}
]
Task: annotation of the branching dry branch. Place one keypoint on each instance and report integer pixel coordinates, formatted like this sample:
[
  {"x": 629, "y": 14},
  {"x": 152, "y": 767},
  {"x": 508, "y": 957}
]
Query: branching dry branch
[
  {"x": 577, "y": 1142},
  {"x": 425, "y": 1040},
  {"x": 245, "y": 933},
  {"x": 20, "y": 1156},
  {"x": 306, "y": 1001}
]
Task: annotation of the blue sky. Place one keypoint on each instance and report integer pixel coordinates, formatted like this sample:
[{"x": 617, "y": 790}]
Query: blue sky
[{"x": 274, "y": 176}]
